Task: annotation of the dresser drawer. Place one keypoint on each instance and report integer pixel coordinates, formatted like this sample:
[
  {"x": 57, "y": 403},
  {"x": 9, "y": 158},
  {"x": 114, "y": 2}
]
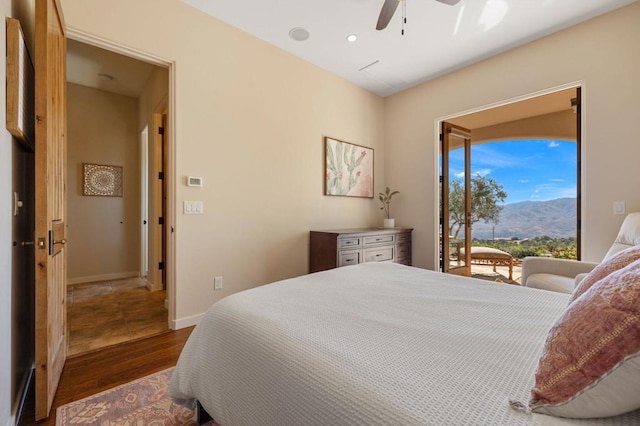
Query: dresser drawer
[
  {"x": 346, "y": 258},
  {"x": 378, "y": 254},
  {"x": 400, "y": 238},
  {"x": 378, "y": 239},
  {"x": 404, "y": 251},
  {"x": 348, "y": 242}
]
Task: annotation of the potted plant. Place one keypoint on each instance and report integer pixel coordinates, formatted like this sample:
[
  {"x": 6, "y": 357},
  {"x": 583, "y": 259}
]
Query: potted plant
[{"x": 385, "y": 198}]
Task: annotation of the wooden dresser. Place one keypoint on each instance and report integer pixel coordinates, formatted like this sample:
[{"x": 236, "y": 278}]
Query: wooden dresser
[{"x": 335, "y": 248}]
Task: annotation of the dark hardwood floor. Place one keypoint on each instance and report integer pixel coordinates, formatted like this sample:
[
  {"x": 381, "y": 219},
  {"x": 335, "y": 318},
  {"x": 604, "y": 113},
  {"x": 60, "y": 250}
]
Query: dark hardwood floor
[{"x": 85, "y": 375}]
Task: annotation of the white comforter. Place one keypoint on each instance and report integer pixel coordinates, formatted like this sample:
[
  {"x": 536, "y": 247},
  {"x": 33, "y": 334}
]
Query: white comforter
[{"x": 376, "y": 343}]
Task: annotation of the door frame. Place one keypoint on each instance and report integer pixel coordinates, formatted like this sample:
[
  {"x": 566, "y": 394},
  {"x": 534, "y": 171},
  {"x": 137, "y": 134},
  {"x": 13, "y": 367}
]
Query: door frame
[
  {"x": 451, "y": 130},
  {"x": 144, "y": 201},
  {"x": 170, "y": 173},
  {"x": 581, "y": 184}
]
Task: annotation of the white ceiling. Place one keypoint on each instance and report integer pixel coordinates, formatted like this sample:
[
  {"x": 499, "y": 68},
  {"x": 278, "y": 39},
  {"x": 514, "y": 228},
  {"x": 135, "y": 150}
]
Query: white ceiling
[
  {"x": 438, "y": 38},
  {"x": 85, "y": 63}
]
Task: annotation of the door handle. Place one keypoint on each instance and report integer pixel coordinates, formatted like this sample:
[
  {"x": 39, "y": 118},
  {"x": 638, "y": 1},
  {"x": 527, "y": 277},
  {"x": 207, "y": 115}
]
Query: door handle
[
  {"x": 26, "y": 243},
  {"x": 53, "y": 242}
]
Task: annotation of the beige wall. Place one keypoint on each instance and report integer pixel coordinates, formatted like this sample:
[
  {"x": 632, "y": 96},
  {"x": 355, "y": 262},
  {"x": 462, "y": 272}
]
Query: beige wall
[
  {"x": 250, "y": 120},
  {"x": 103, "y": 232},
  {"x": 602, "y": 53}
]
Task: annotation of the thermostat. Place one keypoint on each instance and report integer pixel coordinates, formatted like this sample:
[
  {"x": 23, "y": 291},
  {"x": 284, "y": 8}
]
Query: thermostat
[{"x": 194, "y": 181}]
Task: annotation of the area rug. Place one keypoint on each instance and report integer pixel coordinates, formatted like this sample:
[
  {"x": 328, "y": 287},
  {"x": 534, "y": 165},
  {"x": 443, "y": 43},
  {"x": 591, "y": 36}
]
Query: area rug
[{"x": 142, "y": 402}]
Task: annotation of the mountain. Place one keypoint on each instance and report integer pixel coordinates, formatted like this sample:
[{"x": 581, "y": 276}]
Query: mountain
[{"x": 529, "y": 219}]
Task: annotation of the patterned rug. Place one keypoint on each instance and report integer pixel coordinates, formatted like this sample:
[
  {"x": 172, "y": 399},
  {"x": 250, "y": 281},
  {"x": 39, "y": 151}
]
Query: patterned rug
[{"x": 142, "y": 402}]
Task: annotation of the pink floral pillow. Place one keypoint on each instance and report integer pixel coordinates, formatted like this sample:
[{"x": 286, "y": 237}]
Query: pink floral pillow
[
  {"x": 590, "y": 366},
  {"x": 614, "y": 263}
]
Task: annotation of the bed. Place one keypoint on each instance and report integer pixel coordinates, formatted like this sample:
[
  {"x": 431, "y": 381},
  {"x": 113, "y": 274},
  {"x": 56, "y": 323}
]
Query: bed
[{"x": 372, "y": 344}]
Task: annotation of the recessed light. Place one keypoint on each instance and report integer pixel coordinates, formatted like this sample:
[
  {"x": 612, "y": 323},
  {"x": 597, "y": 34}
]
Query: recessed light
[
  {"x": 105, "y": 77},
  {"x": 351, "y": 38},
  {"x": 299, "y": 34}
]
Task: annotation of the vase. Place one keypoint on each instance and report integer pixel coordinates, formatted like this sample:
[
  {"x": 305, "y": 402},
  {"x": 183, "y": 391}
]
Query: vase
[{"x": 389, "y": 223}]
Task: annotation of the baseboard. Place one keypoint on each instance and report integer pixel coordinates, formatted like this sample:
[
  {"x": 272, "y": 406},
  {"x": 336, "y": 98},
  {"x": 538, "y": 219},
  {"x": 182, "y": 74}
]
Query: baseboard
[
  {"x": 153, "y": 287},
  {"x": 105, "y": 277},
  {"x": 18, "y": 408},
  {"x": 186, "y": 322}
]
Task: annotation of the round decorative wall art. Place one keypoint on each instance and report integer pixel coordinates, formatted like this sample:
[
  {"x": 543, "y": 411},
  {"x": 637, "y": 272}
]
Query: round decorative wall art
[{"x": 102, "y": 180}]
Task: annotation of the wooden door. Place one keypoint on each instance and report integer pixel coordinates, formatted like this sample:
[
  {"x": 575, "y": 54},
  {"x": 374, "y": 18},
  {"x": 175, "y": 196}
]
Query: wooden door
[
  {"x": 455, "y": 252},
  {"x": 50, "y": 160}
]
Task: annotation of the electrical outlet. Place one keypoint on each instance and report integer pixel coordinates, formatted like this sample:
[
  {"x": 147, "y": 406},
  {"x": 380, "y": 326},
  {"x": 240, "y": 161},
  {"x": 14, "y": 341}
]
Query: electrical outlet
[
  {"x": 217, "y": 283},
  {"x": 619, "y": 207}
]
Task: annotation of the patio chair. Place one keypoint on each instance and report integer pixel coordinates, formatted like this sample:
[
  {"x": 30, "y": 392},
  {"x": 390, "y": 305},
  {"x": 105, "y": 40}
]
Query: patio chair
[{"x": 562, "y": 275}]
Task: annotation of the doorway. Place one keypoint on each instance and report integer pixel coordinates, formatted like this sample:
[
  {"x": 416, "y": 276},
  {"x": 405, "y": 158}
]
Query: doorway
[
  {"x": 114, "y": 293},
  {"x": 475, "y": 200}
]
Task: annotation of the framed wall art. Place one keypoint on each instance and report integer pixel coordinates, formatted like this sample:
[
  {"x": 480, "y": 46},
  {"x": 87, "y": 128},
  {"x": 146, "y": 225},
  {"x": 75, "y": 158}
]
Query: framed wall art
[
  {"x": 348, "y": 169},
  {"x": 101, "y": 180},
  {"x": 20, "y": 120}
]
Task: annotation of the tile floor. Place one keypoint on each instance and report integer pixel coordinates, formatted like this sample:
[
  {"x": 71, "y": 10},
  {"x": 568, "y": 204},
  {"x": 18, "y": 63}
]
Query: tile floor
[
  {"x": 107, "y": 313},
  {"x": 502, "y": 273}
]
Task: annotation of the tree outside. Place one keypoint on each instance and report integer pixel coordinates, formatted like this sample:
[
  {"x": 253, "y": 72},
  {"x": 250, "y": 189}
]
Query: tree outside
[{"x": 486, "y": 196}]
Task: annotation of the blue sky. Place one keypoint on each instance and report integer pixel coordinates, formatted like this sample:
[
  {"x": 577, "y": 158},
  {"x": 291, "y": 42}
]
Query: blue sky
[{"x": 529, "y": 170}]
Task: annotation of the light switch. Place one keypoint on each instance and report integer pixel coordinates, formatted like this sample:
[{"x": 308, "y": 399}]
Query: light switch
[
  {"x": 193, "y": 207},
  {"x": 619, "y": 207}
]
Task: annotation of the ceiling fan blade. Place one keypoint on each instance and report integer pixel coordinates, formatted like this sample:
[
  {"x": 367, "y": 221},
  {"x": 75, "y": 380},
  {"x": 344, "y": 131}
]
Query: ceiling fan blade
[
  {"x": 449, "y": 2},
  {"x": 388, "y": 9}
]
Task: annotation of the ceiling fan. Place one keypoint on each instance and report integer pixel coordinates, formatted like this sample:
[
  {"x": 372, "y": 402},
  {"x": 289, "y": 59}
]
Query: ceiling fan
[{"x": 389, "y": 7}]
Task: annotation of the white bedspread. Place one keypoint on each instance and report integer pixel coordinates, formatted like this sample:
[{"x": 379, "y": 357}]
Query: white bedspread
[{"x": 376, "y": 343}]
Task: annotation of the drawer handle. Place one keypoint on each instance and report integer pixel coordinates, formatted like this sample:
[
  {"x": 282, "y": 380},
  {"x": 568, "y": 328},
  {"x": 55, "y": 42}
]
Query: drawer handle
[
  {"x": 378, "y": 255},
  {"x": 349, "y": 260}
]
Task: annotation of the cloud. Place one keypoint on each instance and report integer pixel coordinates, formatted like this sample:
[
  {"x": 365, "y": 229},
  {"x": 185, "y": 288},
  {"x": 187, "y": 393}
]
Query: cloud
[
  {"x": 551, "y": 191},
  {"x": 553, "y": 144},
  {"x": 481, "y": 172},
  {"x": 523, "y": 181},
  {"x": 488, "y": 156},
  {"x": 556, "y": 180}
]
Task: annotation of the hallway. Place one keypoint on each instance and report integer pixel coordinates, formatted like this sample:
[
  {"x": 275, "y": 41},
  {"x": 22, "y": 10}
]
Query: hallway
[{"x": 110, "y": 312}]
